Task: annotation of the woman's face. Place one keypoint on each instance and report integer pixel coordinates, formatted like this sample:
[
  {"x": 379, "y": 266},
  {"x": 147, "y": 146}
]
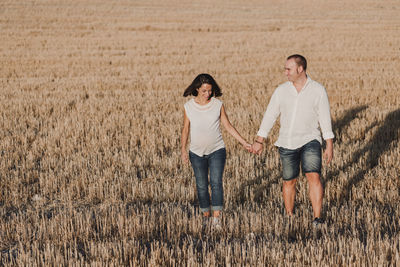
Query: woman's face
[{"x": 205, "y": 91}]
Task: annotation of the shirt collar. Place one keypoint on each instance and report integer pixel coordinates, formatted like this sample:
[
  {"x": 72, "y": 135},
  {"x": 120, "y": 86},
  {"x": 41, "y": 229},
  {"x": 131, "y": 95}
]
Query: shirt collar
[
  {"x": 307, "y": 82},
  {"x": 305, "y": 85}
]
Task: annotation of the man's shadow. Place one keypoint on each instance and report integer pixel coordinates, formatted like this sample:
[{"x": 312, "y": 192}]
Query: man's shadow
[
  {"x": 338, "y": 127},
  {"x": 339, "y": 124},
  {"x": 261, "y": 174},
  {"x": 380, "y": 143}
]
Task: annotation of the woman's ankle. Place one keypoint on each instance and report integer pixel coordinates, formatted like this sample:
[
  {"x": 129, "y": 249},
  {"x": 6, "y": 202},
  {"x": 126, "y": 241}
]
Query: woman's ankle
[
  {"x": 206, "y": 214},
  {"x": 216, "y": 213}
]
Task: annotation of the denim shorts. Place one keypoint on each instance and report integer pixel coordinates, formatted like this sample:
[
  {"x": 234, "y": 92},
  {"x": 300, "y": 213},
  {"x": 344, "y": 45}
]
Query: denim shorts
[{"x": 309, "y": 156}]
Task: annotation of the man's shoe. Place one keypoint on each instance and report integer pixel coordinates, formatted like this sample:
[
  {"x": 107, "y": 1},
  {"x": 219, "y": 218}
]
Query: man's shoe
[{"x": 317, "y": 222}]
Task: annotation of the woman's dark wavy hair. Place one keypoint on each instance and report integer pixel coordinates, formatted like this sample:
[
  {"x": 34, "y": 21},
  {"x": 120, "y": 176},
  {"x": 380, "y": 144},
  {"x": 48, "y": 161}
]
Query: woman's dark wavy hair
[{"x": 199, "y": 81}]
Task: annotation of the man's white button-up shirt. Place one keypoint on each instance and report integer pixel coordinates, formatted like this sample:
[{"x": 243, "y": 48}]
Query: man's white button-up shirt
[{"x": 302, "y": 114}]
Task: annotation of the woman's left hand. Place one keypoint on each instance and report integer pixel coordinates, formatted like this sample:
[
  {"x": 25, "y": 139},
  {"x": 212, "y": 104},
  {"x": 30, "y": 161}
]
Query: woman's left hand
[{"x": 247, "y": 146}]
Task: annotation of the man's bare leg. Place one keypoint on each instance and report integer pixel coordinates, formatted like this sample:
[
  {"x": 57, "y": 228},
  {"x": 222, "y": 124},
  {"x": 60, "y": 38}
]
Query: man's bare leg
[
  {"x": 316, "y": 192},
  {"x": 289, "y": 192}
]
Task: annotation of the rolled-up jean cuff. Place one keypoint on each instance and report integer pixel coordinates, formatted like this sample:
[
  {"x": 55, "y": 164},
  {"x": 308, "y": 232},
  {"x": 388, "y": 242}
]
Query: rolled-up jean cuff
[
  {"x": 205, "y": 209},
  {"x": 216, "y": 207}
]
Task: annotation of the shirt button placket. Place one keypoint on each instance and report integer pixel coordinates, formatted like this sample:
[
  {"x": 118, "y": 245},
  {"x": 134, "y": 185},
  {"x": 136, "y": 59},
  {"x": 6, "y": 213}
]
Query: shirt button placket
[{"x": 290, "y": 143}]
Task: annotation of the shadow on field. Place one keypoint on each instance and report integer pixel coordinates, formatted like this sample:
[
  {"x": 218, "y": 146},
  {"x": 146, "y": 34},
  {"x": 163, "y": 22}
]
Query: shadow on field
[
  {"x": 340, "y": 124},
  {"x": 380, "y": 143},
  {"x": 255, "y": 185}
]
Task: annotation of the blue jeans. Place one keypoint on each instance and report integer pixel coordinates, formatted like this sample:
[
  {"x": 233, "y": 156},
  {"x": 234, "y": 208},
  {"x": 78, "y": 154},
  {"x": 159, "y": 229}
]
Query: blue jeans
[
  {"x": 309, "y": 155},
  {"x": 214, "y": 164}
]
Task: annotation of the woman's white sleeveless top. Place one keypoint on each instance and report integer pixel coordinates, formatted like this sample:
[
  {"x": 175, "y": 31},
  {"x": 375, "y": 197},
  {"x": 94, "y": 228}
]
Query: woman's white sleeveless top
[{"x": 205, "y": 132}]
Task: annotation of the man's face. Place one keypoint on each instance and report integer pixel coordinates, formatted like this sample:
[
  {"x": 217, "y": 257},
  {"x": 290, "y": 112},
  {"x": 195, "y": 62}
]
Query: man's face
[{"x": 292, "y": 70}]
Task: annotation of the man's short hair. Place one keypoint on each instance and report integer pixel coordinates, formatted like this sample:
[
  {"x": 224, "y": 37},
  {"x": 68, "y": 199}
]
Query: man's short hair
[{"x": 300, "y": 60}]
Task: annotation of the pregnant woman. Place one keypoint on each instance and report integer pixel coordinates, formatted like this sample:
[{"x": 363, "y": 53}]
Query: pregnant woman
[{"x": 203, "y": 115}]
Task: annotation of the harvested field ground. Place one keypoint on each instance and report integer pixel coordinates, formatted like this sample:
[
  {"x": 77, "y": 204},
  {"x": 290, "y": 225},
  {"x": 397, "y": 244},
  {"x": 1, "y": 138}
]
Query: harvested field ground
[{"x": 91, "y": 111}]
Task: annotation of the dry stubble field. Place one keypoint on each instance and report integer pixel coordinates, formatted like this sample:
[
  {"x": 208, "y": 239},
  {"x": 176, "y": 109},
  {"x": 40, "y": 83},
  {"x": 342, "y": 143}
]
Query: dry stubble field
[{"x": 91, "y": 113}]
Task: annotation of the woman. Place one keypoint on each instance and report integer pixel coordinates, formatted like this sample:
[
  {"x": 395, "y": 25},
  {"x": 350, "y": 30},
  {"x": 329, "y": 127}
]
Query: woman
[{"x": 202, "y": 117}]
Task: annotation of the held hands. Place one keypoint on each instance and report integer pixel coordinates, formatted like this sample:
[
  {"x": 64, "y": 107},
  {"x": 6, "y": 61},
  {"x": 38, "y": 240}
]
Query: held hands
[
  {"x": 247, "y": 146},
  {"x": 255, "y": 148}
]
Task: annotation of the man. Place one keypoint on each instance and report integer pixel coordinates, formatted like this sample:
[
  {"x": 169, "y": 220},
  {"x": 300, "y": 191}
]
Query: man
[{"x": 303, "y": 107}]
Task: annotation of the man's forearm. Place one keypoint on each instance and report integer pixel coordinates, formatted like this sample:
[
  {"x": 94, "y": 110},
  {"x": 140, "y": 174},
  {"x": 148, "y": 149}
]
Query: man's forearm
[{"x": 259, "y": 139}]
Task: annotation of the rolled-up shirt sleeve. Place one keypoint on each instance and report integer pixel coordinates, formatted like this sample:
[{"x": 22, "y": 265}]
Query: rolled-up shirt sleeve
[
  {"x": 270, "y": 116},
  {"x": 325, "y": 117}
]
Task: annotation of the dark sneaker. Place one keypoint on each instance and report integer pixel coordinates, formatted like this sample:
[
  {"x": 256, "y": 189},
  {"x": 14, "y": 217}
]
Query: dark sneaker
[{"x": 317, "y": 222}]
